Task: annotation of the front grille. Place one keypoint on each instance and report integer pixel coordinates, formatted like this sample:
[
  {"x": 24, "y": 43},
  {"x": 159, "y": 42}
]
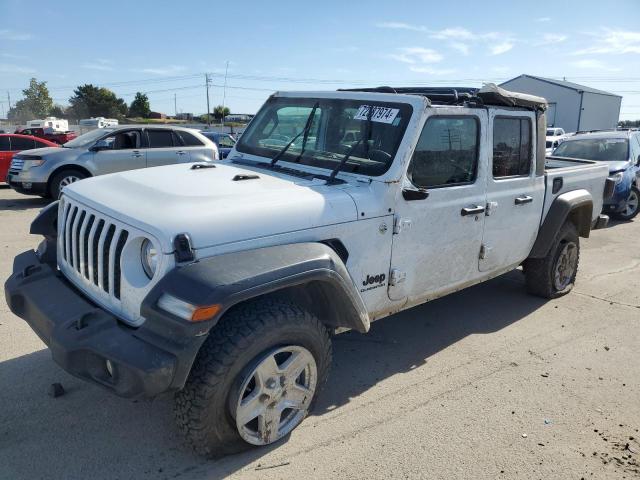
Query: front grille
[{"x": 91, "y": 249}]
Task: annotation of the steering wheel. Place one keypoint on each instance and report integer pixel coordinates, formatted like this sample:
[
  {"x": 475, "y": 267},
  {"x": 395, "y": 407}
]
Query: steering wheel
[{"x": 379, "y": 155}]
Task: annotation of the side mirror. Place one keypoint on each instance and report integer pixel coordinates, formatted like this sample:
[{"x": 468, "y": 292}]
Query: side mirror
[
  {"x": 100, "y": 145},
  {"x": 411, "y": 194}
]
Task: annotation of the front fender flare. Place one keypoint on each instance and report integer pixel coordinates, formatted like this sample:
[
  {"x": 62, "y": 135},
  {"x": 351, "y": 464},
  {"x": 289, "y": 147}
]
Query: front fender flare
[{"x": 231, "y": 278}]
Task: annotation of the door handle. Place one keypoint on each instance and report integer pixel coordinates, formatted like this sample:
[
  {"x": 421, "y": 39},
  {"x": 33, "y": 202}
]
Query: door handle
[
  {"x": 472, "y": 210},
  {"x": 136, "y": 154},
  {"x": 524, "y": 199},
  {"x": 181, "y": 152}
]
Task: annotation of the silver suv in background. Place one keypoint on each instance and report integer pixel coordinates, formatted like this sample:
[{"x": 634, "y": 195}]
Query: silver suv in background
[{"x": 45, "y": 171}]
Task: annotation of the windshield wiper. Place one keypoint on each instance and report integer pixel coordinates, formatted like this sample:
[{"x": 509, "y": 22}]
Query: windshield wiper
[
  {"x": 347, "y": 155},
  {"x": 306, "y": 129}
]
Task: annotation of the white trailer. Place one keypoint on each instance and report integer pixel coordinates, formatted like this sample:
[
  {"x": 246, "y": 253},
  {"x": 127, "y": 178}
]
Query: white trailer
[{"x": 50, "y": 124}]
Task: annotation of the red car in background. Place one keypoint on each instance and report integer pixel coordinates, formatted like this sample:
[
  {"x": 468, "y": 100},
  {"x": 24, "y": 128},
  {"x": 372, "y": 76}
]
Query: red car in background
[
  {"x": 47, "y": 134},
  {"x": 12, "y": 143}
]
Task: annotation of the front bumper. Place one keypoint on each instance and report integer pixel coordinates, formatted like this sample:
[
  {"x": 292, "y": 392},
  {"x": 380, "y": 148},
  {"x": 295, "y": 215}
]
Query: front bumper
[
  {"x": 82, "y": 336},
  {"x": 27, "y": 187}
]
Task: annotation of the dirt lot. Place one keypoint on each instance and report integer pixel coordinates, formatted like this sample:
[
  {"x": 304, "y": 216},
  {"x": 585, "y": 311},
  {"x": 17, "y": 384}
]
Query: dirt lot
[{"x": 486, "y": 383}]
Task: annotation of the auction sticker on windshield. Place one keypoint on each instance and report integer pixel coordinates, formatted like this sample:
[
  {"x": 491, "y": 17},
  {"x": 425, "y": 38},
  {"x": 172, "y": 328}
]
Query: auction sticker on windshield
[{"x": 379, "y": 114}]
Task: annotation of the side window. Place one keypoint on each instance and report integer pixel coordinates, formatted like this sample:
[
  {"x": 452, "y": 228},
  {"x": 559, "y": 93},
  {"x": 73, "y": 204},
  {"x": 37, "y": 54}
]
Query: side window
[
  {"x": 188, "y": 140},
  {"x": 160, "y": 138},
  {"x": 447, "y": 152},
  {"x": 511, "y": 147},
  {"x": 40, "y": 144},
  {"x": 634, "y": 144},
  {"x": 226, "y": 141},
  {"x": 18, "y": 143},
  {"x": 5, "y": 146},
  {"x": 124, "y": 140}
]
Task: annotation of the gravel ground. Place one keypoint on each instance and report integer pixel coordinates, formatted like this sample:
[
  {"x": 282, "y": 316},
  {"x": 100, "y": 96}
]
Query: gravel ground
[{"x": 486, "y": 383}]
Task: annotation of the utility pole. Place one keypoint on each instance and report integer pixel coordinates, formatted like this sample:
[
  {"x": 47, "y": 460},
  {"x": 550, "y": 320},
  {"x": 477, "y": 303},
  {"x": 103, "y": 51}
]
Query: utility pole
[
  {"x": 224, "y": 90},
  {"x": 206, "y": 78},
  {"x": 9, "y": 98},
  {"x": 175, "y": 105}
]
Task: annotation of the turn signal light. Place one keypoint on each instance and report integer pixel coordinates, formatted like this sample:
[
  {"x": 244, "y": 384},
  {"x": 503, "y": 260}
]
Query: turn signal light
[{"x": 201, "y": 314}]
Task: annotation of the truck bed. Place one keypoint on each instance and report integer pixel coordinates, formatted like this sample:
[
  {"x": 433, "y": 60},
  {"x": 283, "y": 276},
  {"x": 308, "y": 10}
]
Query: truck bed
[{"x": 575, "y": 174}]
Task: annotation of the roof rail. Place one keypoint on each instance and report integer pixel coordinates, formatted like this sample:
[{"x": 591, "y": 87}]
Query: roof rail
[{"x": 437, "y": 95}]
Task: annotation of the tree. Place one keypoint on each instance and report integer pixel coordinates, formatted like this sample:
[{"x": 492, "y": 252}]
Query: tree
[
  {"x": 37, "y": 102},
  {"x": 140, "y": 106},
  {"x": 58, "y": 111},
  {"x": 91, "y": 101},
  {"x": 220, "y": 112}
]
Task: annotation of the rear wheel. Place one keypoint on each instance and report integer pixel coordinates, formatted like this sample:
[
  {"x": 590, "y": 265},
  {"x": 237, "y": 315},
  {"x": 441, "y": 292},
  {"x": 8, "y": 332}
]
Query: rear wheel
[
  {"x": 631, "y": 207},
  {"x": 255, "y": 378},
  {"x": 63, "y": 179},
  {"x": 555, "y": 274}
]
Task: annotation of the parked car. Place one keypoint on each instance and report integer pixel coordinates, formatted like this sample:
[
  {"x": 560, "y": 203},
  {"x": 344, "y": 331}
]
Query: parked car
[
  {"x": 106, "y": 150},
  {"x": 11, "y": 143},
  {"x": 223, "y": 141},
  {"x": 53, "y": 136},
  {"x": 225, "y": 284},
  {"x": 620, "y": 150},
  {"x": 555, "y": 136}
]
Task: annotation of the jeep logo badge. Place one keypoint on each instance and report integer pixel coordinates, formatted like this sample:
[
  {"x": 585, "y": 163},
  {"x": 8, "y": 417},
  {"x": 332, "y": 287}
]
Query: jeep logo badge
[{"x": 370, "y": 280}]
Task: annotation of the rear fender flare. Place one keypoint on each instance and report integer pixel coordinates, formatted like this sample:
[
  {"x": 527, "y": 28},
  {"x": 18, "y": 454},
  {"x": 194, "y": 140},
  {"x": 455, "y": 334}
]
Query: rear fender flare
[{"x": 576, "y": 206}]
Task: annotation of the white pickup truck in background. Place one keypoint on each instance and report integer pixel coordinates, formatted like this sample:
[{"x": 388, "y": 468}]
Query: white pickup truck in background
[
  {"x": 223, "y": 281},
  {"x": 555, "y": 136}
]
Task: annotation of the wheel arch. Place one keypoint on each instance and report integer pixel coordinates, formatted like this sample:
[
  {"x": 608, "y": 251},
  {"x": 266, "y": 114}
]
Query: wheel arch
[
  {"x": 575, "y": 206},
  {"x": 66, "y": 166}
]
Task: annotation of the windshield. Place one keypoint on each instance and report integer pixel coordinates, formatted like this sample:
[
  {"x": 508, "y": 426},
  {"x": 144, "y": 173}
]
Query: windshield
[
  {"x": 88, "y": 138},
  {"x": 601, "y": 149},
  {"x": 337, "y": 128}
]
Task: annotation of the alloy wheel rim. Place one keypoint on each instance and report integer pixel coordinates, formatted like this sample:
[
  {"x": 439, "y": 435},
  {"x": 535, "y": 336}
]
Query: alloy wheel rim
[
  {"x": 565, "y": 266},
  {"x": 632, "y": 204},
  {"x": 275, "y": 396},
  {"x": 68, "y": 180}
]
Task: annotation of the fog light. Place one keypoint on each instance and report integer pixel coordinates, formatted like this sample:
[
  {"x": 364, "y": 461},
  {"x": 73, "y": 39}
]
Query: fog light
[{"x": 109, "y": 367}]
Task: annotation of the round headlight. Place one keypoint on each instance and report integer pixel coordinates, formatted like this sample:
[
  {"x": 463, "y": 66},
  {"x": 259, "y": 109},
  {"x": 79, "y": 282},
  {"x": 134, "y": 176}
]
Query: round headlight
[{"x": 149, "y": 258}]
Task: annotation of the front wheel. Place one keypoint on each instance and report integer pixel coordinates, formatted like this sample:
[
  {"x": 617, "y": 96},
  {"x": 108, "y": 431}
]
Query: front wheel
[
  {"x": 63, "y": 179},
  {"x": 255, "y": 378},
  {"x": 631, "y": 206},
  {"x": 555, "y": 274}
]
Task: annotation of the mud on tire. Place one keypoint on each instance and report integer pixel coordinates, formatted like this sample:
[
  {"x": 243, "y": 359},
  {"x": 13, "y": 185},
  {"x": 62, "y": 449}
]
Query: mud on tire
[
  {"x": 549, "y": 277},
  {"x": 204, "y": 409}
]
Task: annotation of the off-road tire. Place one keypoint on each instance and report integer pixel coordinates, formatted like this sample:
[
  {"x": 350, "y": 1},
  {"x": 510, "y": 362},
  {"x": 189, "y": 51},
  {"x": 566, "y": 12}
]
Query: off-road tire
[
  {"x": 55, "y": 183},
  {"x": 244, "y": 334},
  {"x": 621, "y": 215},
  {"x": 539, "y": 272}
]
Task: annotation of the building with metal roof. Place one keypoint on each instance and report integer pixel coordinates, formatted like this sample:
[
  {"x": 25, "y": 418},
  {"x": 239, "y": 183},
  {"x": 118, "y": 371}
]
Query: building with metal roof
[{"x": 572, "y": 107}]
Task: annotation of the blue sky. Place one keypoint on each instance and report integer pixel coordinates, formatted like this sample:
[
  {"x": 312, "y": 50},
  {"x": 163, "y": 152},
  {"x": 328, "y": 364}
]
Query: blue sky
[{"x": 163, "y": 48}]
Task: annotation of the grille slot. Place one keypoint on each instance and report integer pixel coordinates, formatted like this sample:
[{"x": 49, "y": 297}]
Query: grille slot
[{"x": 116, "y": 263}]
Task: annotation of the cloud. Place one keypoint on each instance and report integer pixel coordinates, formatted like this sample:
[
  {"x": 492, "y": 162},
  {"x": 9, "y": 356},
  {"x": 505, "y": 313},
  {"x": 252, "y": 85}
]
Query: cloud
[
  {"x": 168, "y": 70},
  {"x": 417, "y": 55},
  {"x": 543, "y": 19},
  {"x": 612, "y": 41},
  {"x": 500, "y": 48},
  {"x": 401, "y": 26},
  {"x": 11, "y": 68},
  {"x": 463, "y": 48},
  {"x": 100, "y": 64},
  {"x": 454, "y": 33},
  {"x": 431, "y": 71},
  {"x": 6, "y": 34},
  {"x": 593, "y": 64},
  {"x": 551, "y": 39}
]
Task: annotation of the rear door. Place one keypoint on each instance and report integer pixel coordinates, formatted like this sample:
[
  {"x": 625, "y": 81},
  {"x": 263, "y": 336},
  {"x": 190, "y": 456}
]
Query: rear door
[
  {"x": 515, "y": 195},
  {"x": 437, "y": 240},
  {"x": 5, "y": 156},
  {"x": 164, "y": 148},
  {"x": 196, "y": 149}
]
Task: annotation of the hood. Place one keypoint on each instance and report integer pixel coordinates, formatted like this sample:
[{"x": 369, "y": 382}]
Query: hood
[
  {"x": 617, "y": 166},
  {"x": 41, "y": 151},
  {"x": 211, "y": 206}
]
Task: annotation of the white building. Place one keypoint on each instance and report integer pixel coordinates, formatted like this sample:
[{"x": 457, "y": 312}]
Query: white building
[{"x": 572, "y": 107}]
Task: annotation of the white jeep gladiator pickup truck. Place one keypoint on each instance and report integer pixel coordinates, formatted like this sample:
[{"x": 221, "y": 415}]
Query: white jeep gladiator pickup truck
[{"x": 224, "y": 282}]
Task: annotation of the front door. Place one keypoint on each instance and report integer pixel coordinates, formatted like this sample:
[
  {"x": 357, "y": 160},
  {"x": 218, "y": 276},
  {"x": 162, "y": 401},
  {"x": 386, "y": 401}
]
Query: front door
[
  {"x": 438, "y": 238},
  {"x": 515, "y": 194},
  {"x": 124, "y": 153}
]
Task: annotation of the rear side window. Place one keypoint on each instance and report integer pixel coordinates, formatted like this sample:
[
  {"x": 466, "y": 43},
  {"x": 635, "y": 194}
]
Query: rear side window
[
  {"x": 160, "y": 138},
  {"x": 4, "y": 144},
  {"x": 188, "y": 140},
  {"x": 18, "y": 143},
  {"x": 40, "y": 144},
  {"x": 447, "y": 152},
  {"x": 225, "y": 141},
  {"x": 511, "y": 147}
]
